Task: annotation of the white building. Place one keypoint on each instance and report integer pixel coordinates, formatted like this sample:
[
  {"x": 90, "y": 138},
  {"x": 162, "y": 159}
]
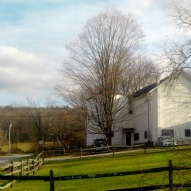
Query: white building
[{"x": 158, "y": 109}]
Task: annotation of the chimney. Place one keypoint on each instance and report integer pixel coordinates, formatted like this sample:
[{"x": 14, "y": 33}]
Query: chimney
[{"x": 158, "y": 80}]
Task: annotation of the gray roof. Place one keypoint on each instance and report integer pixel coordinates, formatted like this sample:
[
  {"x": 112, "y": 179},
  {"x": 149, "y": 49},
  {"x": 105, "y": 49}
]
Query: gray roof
[{"x": 147, "y": 89}]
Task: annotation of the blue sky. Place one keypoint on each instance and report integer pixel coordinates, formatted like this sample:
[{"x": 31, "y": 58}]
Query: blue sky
[{"x": 33, "y": 36}]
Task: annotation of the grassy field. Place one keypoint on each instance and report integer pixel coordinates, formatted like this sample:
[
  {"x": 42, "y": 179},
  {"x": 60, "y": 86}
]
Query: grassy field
[{"x": 107, "y": 164}]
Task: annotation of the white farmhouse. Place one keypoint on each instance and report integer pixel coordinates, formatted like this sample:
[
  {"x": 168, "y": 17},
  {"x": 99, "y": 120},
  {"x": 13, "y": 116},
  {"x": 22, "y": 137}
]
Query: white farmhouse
[{"x": 157, "y": 110}]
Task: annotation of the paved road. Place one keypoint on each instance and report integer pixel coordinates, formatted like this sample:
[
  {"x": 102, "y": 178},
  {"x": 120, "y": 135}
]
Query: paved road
[{"x": 7, "y": 159}]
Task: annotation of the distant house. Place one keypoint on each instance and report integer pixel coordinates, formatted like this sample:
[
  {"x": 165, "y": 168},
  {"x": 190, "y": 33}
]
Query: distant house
[{"x": 157, "y": 110}]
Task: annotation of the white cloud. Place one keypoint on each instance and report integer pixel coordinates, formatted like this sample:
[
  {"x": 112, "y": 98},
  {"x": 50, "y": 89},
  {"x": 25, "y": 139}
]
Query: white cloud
[
  {"x": 32, "y": 49},
  {"x": 24, "y": 73}
]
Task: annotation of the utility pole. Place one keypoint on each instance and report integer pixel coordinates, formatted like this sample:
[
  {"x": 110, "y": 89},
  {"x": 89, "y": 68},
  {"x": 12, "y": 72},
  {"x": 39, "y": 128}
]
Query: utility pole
[
  {"x": 148, "y": 118},
  {"x": 149, "y": 132},
  {"x": 10, "y": 125}
]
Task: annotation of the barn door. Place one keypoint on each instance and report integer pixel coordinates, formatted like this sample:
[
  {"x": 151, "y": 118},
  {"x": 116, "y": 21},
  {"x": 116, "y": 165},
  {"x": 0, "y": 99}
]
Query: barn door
[{"x": 128, "y": 138}]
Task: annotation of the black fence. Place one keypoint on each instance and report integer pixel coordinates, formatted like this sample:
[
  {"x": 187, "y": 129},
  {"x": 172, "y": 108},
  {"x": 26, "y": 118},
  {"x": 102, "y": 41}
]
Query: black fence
[{"x": 51, "y": 178}]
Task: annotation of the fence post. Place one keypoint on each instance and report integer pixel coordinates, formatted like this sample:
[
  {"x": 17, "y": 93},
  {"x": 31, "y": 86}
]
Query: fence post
[
  {"x": 38, "y": 163},
  {"x": 145, "y": 148},
  {"x": 12, "y": 171},
  {"x": 63, "y": 151},
  {"x": 43, "y": 159},
  {"x": 28, "y": 170},
  {"x": 80, "y": 153},
  {"x": 51, "y": 180},
  {"x": 33, "y": 165},
  {"x": 113, "y": 151},
  {"x": 173, "y": 145},
  {"x": 21, "y": 170},
  {"x": 170, "y": 176}
]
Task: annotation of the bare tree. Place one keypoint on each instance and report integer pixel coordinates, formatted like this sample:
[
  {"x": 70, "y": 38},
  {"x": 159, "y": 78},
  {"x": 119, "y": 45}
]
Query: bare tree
[
  {"x": 68, "y": 126},
  {"x": 101, "y": 65},
  {"x": 39, "y": 121},
  {"x": 182, "y": 15},
  {"x": 141, "y": 73},
  {"x": 177, "y": 52}
]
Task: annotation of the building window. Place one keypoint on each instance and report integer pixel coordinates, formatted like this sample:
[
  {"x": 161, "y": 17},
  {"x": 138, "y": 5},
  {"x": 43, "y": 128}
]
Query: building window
[
  {"x": 145, "y": 134},
  {"x": 187, "y": 133},
  {"x": 136, "y": 136},
  {"x": 168, "y": 132}
]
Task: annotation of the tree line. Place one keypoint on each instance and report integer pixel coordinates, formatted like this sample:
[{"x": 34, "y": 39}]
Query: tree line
[{"x": 65, "y": 125}]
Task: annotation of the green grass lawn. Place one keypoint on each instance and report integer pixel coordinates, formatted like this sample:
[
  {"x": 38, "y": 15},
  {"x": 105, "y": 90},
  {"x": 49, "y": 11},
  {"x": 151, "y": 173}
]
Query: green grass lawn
[{"x": 108, "y": 164}]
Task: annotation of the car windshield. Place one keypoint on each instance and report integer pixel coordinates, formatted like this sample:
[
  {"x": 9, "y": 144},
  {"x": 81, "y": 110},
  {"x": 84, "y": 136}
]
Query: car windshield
[{"x": 167, "y": 138}]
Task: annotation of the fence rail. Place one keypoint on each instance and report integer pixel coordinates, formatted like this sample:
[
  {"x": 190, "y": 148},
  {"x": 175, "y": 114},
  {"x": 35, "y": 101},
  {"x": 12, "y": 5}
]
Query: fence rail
[
  {"x": 82, "y": 152},
  {"x": 23, "y": 168},
  {"x": 51, "y": 177}
]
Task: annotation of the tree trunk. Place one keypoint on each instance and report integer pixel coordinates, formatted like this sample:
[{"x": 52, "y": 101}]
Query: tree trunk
[
  {"x": 109, "y": 136},
  {"x": 109, "y": 141}
]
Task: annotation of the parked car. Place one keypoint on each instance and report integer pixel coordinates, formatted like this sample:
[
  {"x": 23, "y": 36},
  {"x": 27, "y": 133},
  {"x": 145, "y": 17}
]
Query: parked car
[
  {"x": 99, "y": 143},
  {"x": 166, "y": 141}
]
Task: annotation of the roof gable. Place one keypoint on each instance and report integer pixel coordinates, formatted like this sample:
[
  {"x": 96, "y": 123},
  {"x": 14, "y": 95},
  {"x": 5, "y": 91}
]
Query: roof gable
[
  {"x": 151, "y": 87},
  {"x": 148, "y": 88}
]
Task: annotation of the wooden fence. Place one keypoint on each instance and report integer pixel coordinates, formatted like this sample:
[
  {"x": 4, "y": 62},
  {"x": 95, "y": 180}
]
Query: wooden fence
[
  {"x": 22, "y": 168},
  {"x": 88, "y": 151},
  {"x": 51, "y": 178}
]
